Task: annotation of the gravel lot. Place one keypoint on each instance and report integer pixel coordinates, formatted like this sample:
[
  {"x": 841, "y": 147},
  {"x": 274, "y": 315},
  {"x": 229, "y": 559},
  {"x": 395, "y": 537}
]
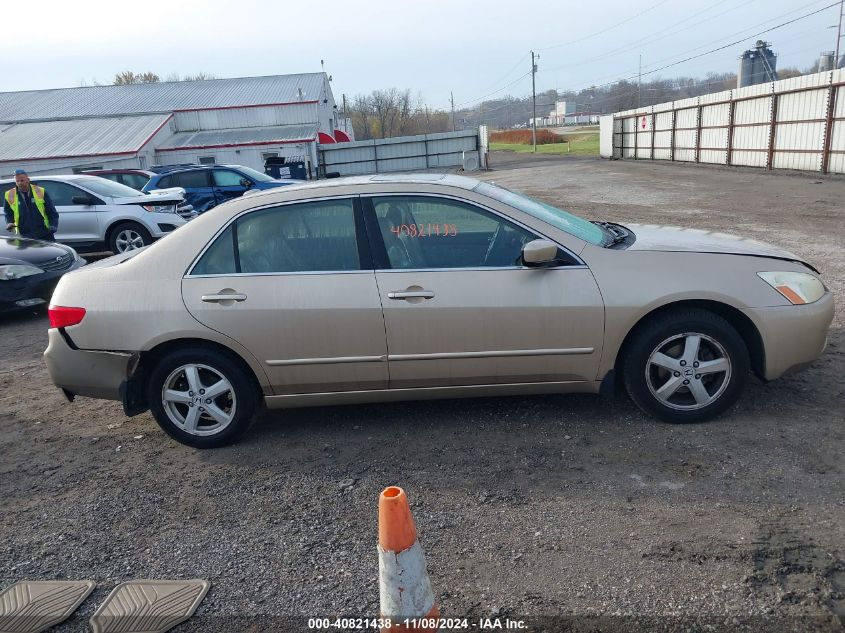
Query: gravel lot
[{"x": 540, "y": 506}]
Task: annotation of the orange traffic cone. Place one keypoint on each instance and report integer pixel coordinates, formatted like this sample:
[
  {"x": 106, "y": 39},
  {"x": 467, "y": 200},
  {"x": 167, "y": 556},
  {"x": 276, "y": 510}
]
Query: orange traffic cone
[{"x": 406, "y": 596}]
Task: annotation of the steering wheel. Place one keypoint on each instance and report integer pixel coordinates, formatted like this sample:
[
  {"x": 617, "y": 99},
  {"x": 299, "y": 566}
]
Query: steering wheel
[{"x": 494, "y": 242}]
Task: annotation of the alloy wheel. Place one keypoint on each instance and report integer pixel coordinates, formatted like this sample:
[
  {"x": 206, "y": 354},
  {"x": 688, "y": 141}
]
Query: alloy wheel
[
  {"x": 128, "y": 240},
  {"x": 688, "y": 371},
  {"x": 198, "y": 399}
]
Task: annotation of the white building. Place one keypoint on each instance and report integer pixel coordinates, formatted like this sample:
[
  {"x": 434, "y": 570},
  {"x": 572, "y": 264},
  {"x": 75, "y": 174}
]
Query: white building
[{"x": 241, "y": 121}]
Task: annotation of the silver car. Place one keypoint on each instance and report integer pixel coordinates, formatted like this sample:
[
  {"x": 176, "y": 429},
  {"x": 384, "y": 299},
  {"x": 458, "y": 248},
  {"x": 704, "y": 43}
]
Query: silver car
[{"x": 95, "y": 212}]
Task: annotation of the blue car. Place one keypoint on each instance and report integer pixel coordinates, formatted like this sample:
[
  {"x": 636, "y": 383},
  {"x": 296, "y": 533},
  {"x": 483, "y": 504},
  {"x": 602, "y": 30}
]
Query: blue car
[{"x": 209, "y": 185}]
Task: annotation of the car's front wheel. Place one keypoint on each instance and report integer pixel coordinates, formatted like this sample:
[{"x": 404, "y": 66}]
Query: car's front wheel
[
  {"x": 128, "y": 236},
  {"x": 202, "y": 397},
  {"x": 686, "y": 366}
]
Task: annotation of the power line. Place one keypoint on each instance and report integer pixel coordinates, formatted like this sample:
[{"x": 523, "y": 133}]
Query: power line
[
  {"x": 717, "y": 49},
  {"x": 518, "y": 79},
  {"x": 610, "y": 28},
  {"x": 714, "y": 50},
  {"x": 739, "y": 41},
  {"x": 507, "y": 74},
  {"x": 745, "y": 31},
  {"x": 655, "y": 37}
]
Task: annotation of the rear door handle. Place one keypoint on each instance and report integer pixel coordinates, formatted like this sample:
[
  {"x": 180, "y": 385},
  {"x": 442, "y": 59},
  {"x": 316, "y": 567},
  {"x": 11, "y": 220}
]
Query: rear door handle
[
  {"x": 410, "y": 294},
  {"x": 219, "y": 298}
]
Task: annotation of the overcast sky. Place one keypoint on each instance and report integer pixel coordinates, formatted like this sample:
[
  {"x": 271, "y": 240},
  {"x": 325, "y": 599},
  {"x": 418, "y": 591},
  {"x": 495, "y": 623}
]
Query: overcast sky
[{"x": 474, "y": 48}]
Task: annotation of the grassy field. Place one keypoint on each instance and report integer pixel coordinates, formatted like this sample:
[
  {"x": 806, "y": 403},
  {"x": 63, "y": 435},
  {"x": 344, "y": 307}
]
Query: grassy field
[{"x": 579, "y": 145}]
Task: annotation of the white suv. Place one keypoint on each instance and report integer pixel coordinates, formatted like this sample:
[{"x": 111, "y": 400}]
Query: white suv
[{"x": 94, "y": 211}]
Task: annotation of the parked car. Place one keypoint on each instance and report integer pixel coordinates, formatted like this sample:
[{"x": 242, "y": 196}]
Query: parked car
[
  {"x": 96, "y": 213},
  {"x": 30, "y": 270},
  {"x": 404, "y": 287},
  {"x": 137, "y": 179},
  {"x": 207, "y": 186}
]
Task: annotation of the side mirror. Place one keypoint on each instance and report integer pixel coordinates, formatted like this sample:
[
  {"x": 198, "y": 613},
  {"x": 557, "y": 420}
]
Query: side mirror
[
  {"x": 83, "y": 200},
  {"x": 245, "y": 182},
  {"x": 539, "y": 252}
]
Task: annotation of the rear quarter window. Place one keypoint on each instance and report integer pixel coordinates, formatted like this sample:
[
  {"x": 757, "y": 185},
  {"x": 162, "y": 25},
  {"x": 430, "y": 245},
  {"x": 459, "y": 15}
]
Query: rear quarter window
[{"x": 219, "y": 259}]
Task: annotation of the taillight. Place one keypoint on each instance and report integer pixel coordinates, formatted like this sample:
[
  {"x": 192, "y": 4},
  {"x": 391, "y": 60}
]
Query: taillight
[{"x": 61, "y": 316}]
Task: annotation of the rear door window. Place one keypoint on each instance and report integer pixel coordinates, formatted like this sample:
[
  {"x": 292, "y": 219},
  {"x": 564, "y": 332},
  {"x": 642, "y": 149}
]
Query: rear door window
[
  {"x": 191, "y": 179},
  {"x": 319, "y": 236}
]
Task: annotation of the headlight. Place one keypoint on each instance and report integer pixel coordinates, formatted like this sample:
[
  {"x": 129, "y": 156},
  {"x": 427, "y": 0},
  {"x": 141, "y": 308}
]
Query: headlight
[
  {"x": 16, "y": 271},
  {"x": 170, "y": 208},
  {"x": 798, "y": 288}
]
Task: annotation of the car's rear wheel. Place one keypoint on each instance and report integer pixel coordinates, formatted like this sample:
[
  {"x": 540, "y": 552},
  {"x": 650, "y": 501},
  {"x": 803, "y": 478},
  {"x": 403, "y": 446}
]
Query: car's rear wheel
[
  {"x": 686, "y": 366},
  {"x": 202, "y": 397},
  {"x": 128, "y": 236}
]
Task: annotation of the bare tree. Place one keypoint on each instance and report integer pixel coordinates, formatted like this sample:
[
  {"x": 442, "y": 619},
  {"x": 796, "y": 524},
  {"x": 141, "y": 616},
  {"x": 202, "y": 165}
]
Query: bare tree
[
  {"x": 200, "y": 76},
  {"x": 386, "y": 113},
  {"x": 127, "y": 77}
]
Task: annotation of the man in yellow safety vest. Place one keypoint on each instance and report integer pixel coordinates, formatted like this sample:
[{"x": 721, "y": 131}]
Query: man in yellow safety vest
[{"x": 29, "y": 211}]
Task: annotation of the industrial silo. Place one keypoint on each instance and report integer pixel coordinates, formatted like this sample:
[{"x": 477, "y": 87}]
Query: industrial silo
[
  {"x": 826, "y": 61},
  {"x": 757, "y": 65}
]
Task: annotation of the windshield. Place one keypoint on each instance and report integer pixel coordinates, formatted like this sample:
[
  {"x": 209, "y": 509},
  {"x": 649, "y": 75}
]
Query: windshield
[
  {"x": 572, "y": 224},
  {"x": 104, "y": 187},
  {"x": 257, "y": 176}
]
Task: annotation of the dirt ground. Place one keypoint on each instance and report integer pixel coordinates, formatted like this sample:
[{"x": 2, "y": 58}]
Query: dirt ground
[{"x": 526, "y": 507}]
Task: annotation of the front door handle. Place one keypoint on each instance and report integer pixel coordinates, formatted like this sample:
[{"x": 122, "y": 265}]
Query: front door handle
[
  {"x": 223, "y": 297},
  {"x": 410, "y": 294}
]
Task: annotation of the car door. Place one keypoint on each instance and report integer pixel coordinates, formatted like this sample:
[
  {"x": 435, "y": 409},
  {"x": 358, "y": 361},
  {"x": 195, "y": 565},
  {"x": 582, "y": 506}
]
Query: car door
[
  {"x": 78, "y": 223},
  {"x": 461, "y": 309},
  {"x": 227, "y": 184},
  {"x": 294, "y": 284},
  {"x": 197, "y": 185}
]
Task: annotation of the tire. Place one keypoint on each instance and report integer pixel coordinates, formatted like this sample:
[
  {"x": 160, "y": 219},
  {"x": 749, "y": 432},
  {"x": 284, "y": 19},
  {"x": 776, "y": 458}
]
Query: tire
[
  {"x": 659, "y": 367},
  {"x": 128, "y": 236},
  {"x": 187, "y": 416}
]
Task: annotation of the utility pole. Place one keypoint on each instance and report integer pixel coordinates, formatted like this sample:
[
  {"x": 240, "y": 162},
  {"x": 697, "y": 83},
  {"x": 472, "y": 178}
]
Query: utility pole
[
  {"x": 534, "y": 102},
  {"x": 345, "y": 117},
  {"x": 639, "y": 81},
  {"x": 838, "y": 35},
  {"x": 452, "y": 98}
]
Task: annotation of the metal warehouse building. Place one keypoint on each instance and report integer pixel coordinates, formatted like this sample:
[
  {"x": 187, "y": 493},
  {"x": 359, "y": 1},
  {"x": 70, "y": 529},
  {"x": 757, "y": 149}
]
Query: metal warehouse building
[{"x": 242, "y": 121}]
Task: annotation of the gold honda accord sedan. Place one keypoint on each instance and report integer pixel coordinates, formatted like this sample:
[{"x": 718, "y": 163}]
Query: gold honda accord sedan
[{"x": 408, "y": 287}]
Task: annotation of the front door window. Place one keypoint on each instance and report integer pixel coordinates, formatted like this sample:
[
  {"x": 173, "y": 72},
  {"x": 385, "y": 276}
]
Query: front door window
[{"x": 421, "y": 232}]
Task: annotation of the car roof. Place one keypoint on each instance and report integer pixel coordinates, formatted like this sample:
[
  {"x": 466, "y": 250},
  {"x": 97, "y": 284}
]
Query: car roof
[
  {"x": 127, "y": 170},
  {"x": 445, "y": 180},
  {"x": 59, "y": 177},
  {"x": 177, "y": 170}
]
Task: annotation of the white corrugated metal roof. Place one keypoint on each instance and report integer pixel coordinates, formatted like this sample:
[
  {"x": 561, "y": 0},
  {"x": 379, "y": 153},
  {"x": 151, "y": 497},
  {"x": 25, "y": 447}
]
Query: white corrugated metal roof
[
  {"x": 92, "y": 101},
  {"x": 79, "y": 137},
  {"x": 240, "y": 136}
]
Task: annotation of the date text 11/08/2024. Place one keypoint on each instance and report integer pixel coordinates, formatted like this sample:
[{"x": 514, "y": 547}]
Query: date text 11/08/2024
[{"x": 451, "y": 624}]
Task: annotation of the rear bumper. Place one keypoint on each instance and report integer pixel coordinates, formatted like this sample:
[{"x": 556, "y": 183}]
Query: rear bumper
[
  {"x": 89, "y": 373},
  {"x": 793, "y": 336}
]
